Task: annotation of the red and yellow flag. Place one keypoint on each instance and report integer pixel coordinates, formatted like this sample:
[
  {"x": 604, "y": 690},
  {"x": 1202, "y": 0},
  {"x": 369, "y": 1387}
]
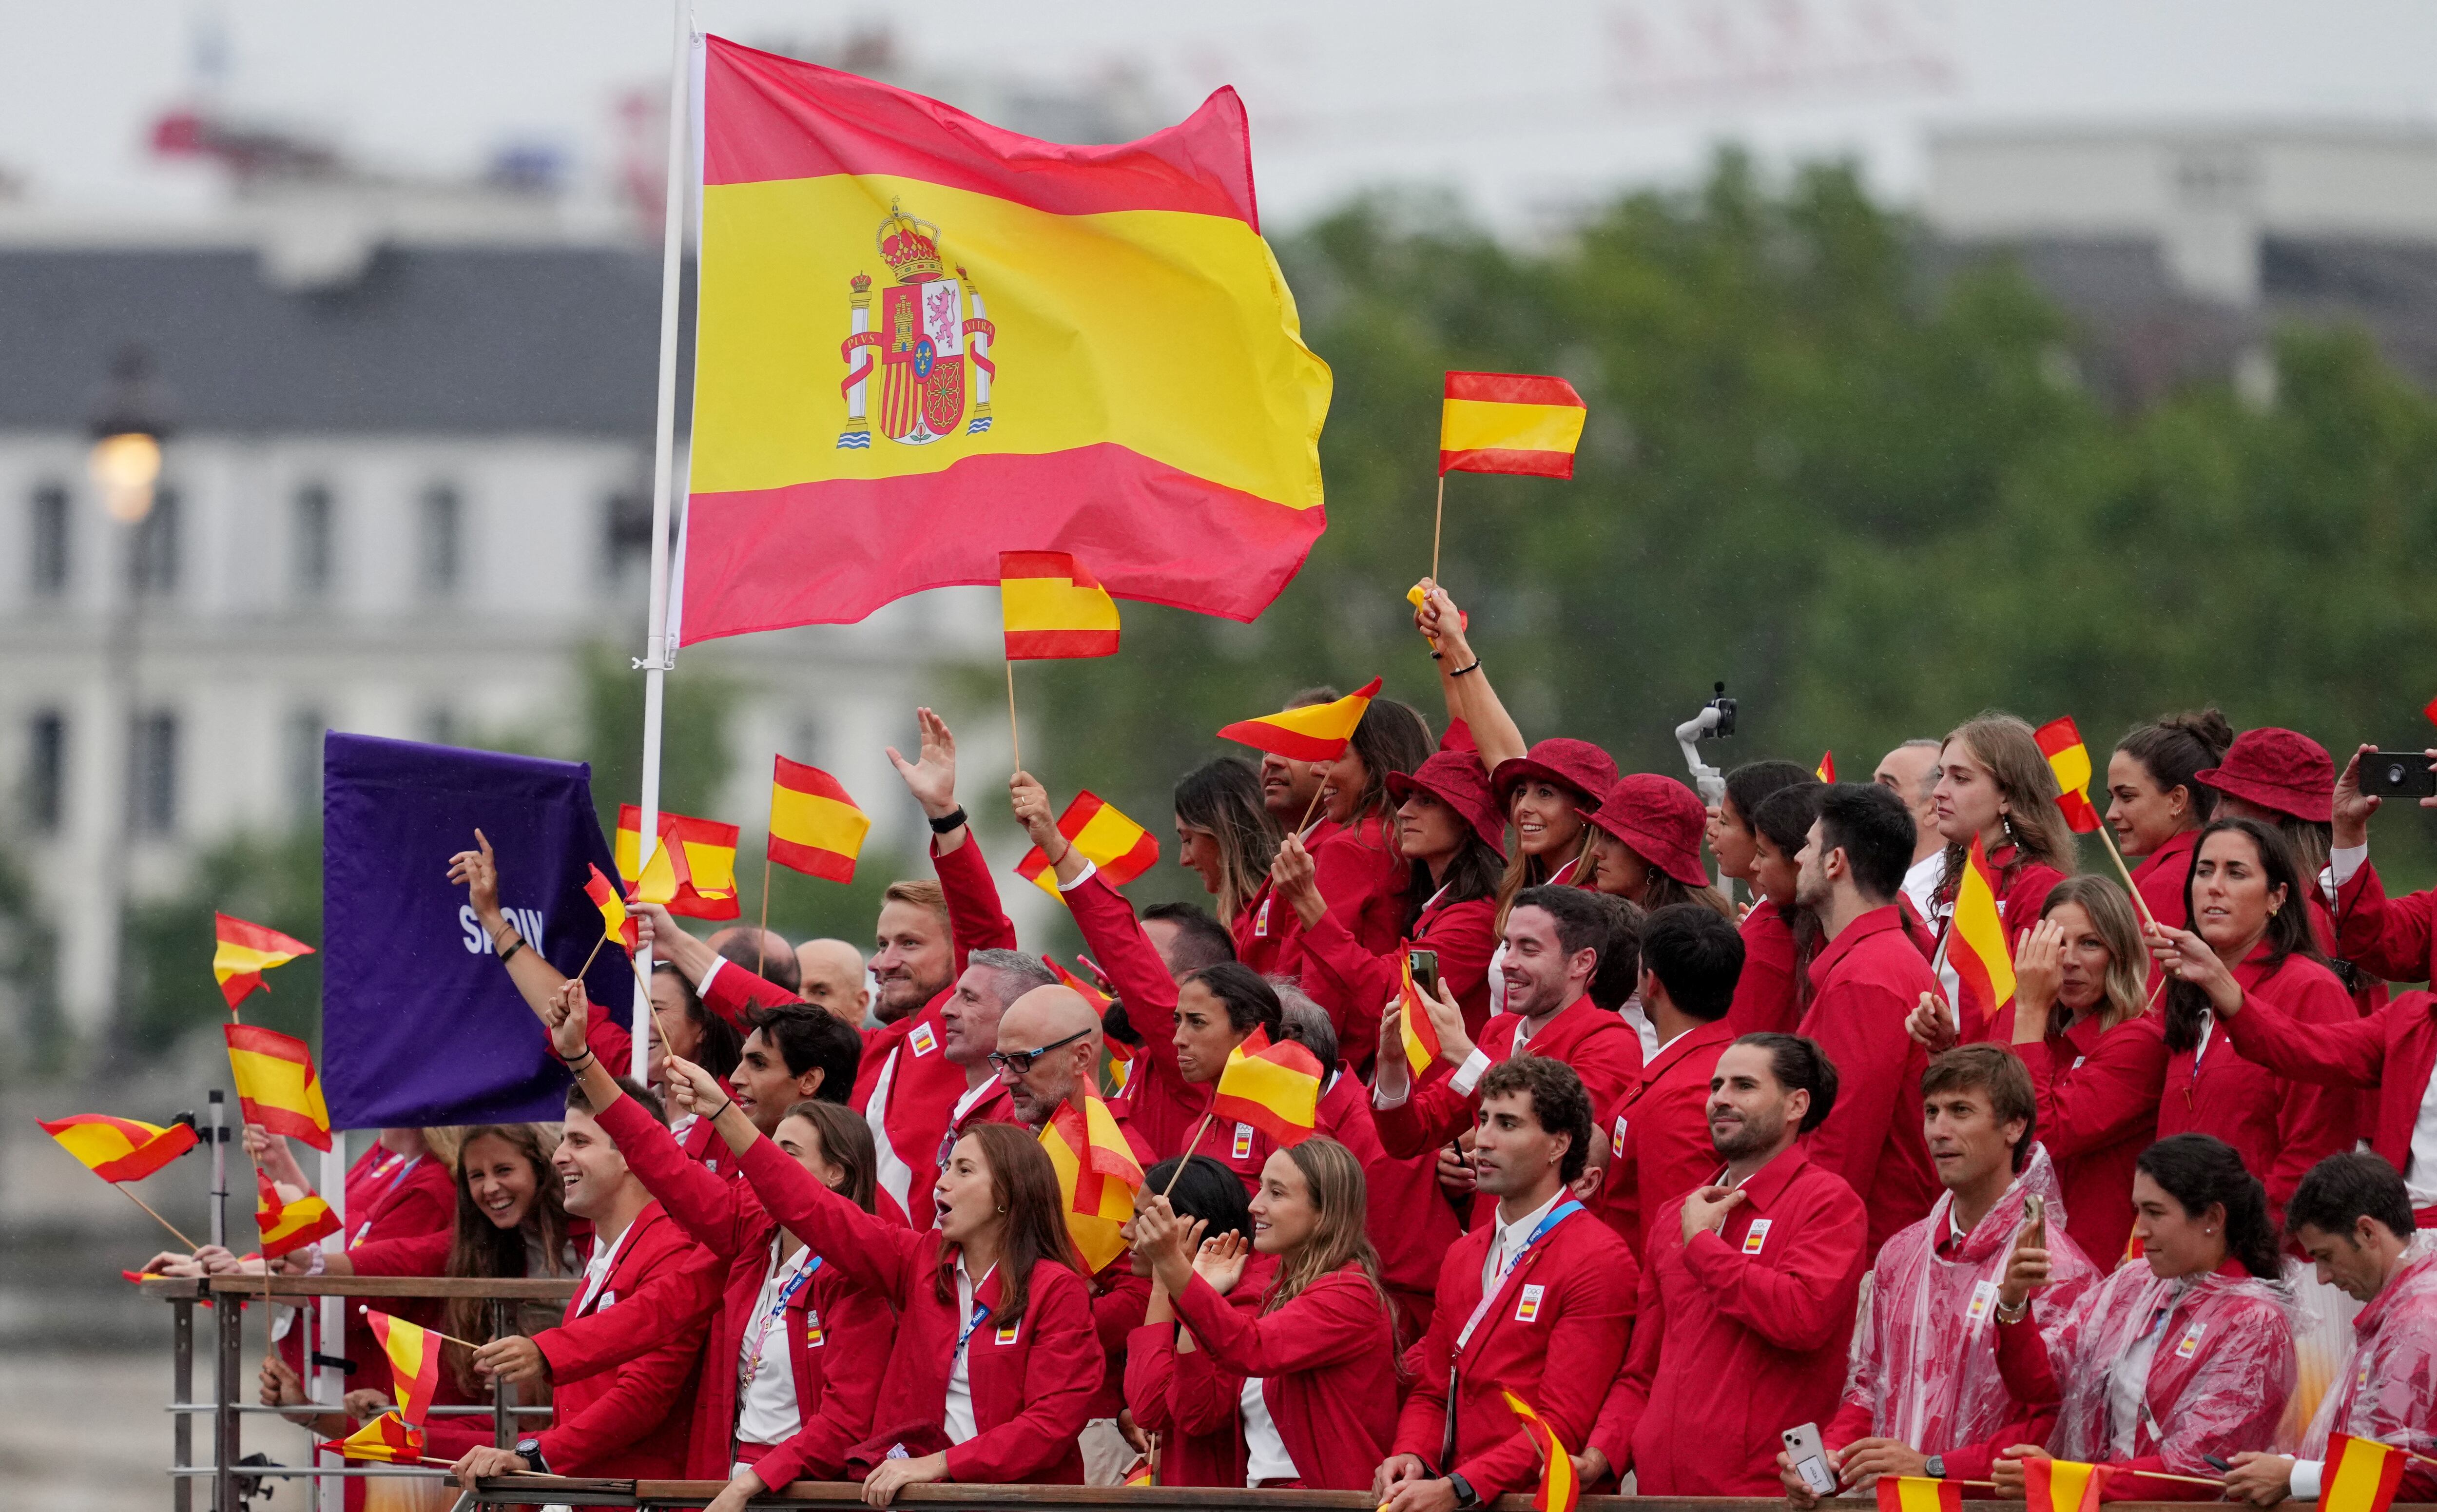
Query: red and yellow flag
[
  {"x": 1559, "y": 1489},
  {"x": 1414, "y": 1025},
  {"x": 276, "y": 1084},
  {"x": 1975, "y": 939},
  {"x": 1509, "y": 422},
  {"x": 1037, "y": 347},
  {"x": 1121, "y": 1056},
  {"x": 120, "y": 1149},
  {"x": 1275, "y": 1088},
  {"x": 388, "y": 1439},
  {"x": 2061, "y": 1486},
  {"x": 244, "y": 951},
  {"x": 1826, "y": 770},
  {"x": 1918, "y": 1493},
  {"x": 1097, "y": 1177},
  {"x": 814, "y": 827},
  {"x": 604, "y": 894},
  {"x": 1119, "y": 847},
  {"x": 1315, "y": 732},
  {"x": 1054, "y": 608},
  {"x": 2060, "y": 742},
  {"x": 1142, "y": 1473},
  {"x": 286, "y": 1226},
  {"x": 2359, "y": 1475},
  {"x": 693, "y": 870},
  {"x": 415, "y": 1361}
]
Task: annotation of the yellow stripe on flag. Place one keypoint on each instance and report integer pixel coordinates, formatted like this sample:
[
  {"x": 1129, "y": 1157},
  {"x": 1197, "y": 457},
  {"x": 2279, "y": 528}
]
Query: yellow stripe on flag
[
  {"x": 1478, "y": 424},
  {"x": 2361, "y": 1475},
  {"x": 713, "y": 866},
  {"x": 1156, "y": 331},
  {"x": 1054, "y": 604},
  {"x": 1979, "y": 926},
  {"x": 808, "y": 818}
]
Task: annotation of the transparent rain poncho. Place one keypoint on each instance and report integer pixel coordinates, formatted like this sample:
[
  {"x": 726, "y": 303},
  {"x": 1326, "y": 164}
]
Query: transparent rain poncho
[{"x": 2386, "y": 1388}]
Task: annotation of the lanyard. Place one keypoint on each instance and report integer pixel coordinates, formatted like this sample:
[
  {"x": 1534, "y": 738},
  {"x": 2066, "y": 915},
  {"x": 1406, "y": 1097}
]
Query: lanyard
[
  {"x": 777, "y": 1309},
  {"x": 386, "y": 1191},
  {"x": 981, "y": 1310},
  {"x": 1489, "y": 1294}
]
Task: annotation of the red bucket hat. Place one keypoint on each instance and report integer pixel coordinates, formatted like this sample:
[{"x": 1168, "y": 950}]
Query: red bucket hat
[
  {"x": 1576, "y": 763},
  {"x": 1457, "y": 779},
  {"x": 2281, "y": 769},
  {"x": 1662, "y": 820}
]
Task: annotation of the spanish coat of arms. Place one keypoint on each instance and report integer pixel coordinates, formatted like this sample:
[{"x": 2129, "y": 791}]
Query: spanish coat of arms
[{"x": 924, "y": 340}]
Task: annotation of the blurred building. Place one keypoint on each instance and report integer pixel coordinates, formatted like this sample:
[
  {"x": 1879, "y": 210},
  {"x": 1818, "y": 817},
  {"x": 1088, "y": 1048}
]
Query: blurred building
[
  {"x": 2182, "y": 247},
  {"x": 406, "y": 485}
]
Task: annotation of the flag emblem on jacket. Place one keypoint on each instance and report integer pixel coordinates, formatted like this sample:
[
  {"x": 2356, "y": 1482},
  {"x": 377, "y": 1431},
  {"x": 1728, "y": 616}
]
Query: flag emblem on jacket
[{"x": 931, "y": 329}]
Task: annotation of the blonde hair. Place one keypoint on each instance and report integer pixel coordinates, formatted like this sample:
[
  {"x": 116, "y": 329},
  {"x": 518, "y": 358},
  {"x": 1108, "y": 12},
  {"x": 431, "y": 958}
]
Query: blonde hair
[
  {"x": 1530, "y": 871},
  {"x": 2026, "y": 783},
  {"x": 445, "y": 1142},
  {"x": 2125, "y": 993},
  {"x": 928, "y": 896},
  {"x": 1334, "y": 1178}
]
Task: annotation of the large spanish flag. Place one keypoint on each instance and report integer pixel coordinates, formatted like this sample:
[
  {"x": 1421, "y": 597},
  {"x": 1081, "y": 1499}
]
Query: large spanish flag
[
  {"x": 2359, "y": 1475},
  {"x": 276, "y": 1084},
  {"x": 241, "y": 951},
  {"x": 120, "y": 1149},
  {"x": 923, "y": 341},
  {"x": 814, "y": 827}
]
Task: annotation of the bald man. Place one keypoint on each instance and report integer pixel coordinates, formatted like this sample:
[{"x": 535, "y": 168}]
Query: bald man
[
  {"x": 1910, "y": 772},
  {"x": 1049, "y": 1053},
  {"x": 831, "y": 974},
  {"x": 769, "y": 958}
]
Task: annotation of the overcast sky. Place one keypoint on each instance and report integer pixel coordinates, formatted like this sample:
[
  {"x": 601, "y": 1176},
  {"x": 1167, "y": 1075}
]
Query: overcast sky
[{"x": 1520, "y": 106}]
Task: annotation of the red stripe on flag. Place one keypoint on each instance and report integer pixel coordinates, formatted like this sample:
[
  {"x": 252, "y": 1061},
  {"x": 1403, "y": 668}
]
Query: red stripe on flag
[
  {"x": 1045, "y": 645},
  {"x": 798, "y": 778},
  {"x": 1140, "y": 859},
  {"x": 1512, "y": 388},
  {"x": 830, "y": 866},
  {"x": 1507, "y": 460}
]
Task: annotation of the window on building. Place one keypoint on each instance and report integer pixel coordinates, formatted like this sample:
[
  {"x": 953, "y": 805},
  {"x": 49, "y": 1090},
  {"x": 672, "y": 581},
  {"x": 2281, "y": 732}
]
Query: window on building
[
  {"x": 627, "y": 539},
  {"x": 47, "y": 772},
  {"x": 154, "y": 800},
  {"x": 154, "y": 563},
  {"x": 444, "y": 545},
  {"x": 50, "y": 522},
  {"x": 313, "y": 540},
  {"x": 305, "y": 728}
]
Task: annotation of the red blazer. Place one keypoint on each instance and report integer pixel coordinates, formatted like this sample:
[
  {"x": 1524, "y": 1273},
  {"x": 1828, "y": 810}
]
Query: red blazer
[
  {"x": 2395, "y": 1052},
  {"x": 1739, "y": 1337},
  {"x": 1569, "y": 1299},
  {"x": 2162, "y": 874},
  {"x": 627, "y": 1420},
  {"x": 1864, "y": 984},
  {"x": 1327, "y": 1367},
  {"x": 1356, "y": 983},
  {"x": 2280, "y": 1127},
  {"x": 2098, "y": 1094},
  {"x": 387, "y": 1197},
  {"x": 1769, "y": 993},
  {"x": 1119, "y": 1299},
  {"x": 2023, "y": 888},
  {"x": 2389, "y": 937},
  {"x": 1268, "y": 933},
  {"x": 1158, "y": 1104},
  {"x": 1032, "y": 1383},
  {"x": 1658, "y": 1145},
  {"x": 1408, "y": 1221},
  {"x": 1200, "y": 1423},
  {"x": 1602, "y": 1048},
  {"x": 838, "y": 1335}
]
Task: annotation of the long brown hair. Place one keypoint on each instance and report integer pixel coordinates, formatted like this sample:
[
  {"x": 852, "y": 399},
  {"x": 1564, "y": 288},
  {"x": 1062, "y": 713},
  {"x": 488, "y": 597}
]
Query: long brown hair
[
  {"x": 2026, "y": 784},
  {"x": 1023, "y": 1186},
  {"x": 1223, "y": 798},
  {"x": 846, "y": 1143},
  {"x": 1391, "y": 737},
  {"x": 2125, "y": 992},
  {"x": 1334, "y": 1178},
  {"x": 1662, "y": 892},
  {"x": 479, "y": 1248},
  {"x": 2289, "y": 932}
]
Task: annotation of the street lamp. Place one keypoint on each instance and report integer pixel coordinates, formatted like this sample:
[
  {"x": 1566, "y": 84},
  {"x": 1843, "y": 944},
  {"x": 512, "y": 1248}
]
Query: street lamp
[{"x": 127, "y": 431}]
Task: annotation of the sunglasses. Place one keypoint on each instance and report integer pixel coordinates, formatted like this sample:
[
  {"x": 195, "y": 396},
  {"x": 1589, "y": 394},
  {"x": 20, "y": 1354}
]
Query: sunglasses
[{"x": 1019, "y": 1062}]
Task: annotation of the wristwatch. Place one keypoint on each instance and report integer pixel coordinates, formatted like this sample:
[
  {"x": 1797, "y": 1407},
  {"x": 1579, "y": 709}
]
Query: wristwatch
[
  {"x": 1936, "y": 1466},
  {"x": 1464, "y": 1495},
  {"x": 529, "y": 1450}
]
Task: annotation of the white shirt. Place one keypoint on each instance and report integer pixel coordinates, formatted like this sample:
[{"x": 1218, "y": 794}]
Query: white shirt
[
  {"x": 2128, "y": 1388},
  {"x": 2306, "y": 1479},
  {"x": 1510, "y": 1241},
  {"x": 766, "y": 1411},
  {"x": 2420, "y": 1175},
  {"x": 1637, "y": 1018},
  {"x": 1265, "y": 1452},
  {"x": 1921, "y": 882},
  {"x": 596, "y": 1273},
  {"x": 959, "y": 1420}
]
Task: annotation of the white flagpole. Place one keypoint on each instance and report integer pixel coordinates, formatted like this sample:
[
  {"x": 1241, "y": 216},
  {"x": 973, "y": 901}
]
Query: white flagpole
[
  {"x": 328, "y": 1384},
  {"x": 656, "y": 660}
]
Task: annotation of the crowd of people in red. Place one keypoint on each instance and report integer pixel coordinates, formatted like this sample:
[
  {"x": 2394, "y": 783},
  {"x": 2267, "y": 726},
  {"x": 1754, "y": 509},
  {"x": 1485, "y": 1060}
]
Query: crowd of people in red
[{"x": 1685, "y": 1176}]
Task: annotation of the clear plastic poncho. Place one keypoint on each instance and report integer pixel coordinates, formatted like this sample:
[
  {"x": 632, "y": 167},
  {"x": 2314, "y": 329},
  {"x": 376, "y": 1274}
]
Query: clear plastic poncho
[
  {"x": 1923, "y": 1361},
  {"x": 2386, "y": 1389}
]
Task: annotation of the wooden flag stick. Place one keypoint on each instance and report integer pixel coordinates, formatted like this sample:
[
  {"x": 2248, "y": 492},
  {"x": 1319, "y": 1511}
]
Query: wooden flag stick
[
  {"x": 1438, "y": 516},
  {"x": 1307, "y": 808},
  {"x": 1014, "y": 740},
  {"x": 2107, "y": 833},
  {"x": 2163, "y": 1475},
  {"x": 157, "y": 1218},
  {"x": 762, "y": 941},
  {"x": 435, "y": 1332},
  {"x": 587, "y": 959},
  {"x": 1199, "y": 1130}
]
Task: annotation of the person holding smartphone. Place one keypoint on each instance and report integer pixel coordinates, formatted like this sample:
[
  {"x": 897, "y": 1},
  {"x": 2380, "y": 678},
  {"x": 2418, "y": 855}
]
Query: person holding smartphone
[{"x": 2391, "y": 939}]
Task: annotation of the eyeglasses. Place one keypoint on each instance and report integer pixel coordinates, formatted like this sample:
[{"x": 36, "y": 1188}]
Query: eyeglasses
[{"x": 1019, "y": 1062}]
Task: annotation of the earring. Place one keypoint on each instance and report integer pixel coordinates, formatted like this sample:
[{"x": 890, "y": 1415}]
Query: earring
[{"x": 2007, "y": 822}]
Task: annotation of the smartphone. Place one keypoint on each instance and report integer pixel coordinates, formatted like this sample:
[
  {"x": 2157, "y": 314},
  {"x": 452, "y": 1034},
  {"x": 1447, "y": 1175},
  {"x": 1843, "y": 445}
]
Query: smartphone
[
  {"x": 1425, "y": 970},
  {"x": 2217, "y": 1462},
  {"x": 1809, "y": 1457},
  {"x": 2034, "y": 1210},
  {"x": 2397, "y": 774}
]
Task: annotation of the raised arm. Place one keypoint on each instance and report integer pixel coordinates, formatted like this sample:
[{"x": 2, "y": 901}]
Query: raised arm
[
  {"x": 1466, "y": 681},
  {"x": 976, "y": 919}
]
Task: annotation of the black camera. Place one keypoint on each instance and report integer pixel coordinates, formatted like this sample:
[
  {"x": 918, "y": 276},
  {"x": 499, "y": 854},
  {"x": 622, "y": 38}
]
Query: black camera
[{"x": 1724, "y": 723}]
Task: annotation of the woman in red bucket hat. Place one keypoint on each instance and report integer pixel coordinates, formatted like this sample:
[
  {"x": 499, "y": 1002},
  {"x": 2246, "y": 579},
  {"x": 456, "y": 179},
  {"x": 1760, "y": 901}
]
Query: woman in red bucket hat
[
  {"x": 1996, "y": 784},
  {"x": 1451, "y": 837},
  {"x": 2285, "y": 779},
  {"x": 1646, "y": 848}
]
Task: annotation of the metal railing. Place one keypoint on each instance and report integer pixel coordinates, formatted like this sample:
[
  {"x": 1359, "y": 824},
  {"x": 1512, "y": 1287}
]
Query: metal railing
[
  {"x": 575, "y": 1491},
  {"x": 229, "y": 1296}
]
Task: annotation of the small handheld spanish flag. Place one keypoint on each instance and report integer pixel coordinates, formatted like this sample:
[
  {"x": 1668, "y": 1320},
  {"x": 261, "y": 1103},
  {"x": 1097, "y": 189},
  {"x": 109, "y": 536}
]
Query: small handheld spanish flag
[
  {"x": 1275, "y": 1088},
  {"x": 1976, "y": 939},
  {"x": 1560, "y": 1490},
  {"x": 119, "y": 1150},
  {"x": 415, "y": 1361},
  {"x": 388, "y": 1439},
  {"x": 693, "y": 870},
  {"x": 2060, "y": 742},
  {"x": 1414, "y": 1025},
  {"x": 1826, "y": 770},
  {"x": 1054, "y": 608},
  {"x": 1097, "y": 1178},
  {"x": 286, "y": 1225},
  {"x": 243, "y": 952},
  {"x": 814, "y": 827},
  {"x": 1918, "y": 1493},
  {"x": 276, "y": 1084},
  {"x": 1115, "y": 844},
  {"x": 1509, "y": 422},
  {"x": 604, "y": 894},
  {"x": 2061, "y": 1486},
  {"x": 1316, "y": 733},
  {"x": 2359, "y": 1475}
]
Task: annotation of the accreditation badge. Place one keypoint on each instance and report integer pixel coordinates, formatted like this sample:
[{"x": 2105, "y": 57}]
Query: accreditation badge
[{"x": 1755, "y": 1236}]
